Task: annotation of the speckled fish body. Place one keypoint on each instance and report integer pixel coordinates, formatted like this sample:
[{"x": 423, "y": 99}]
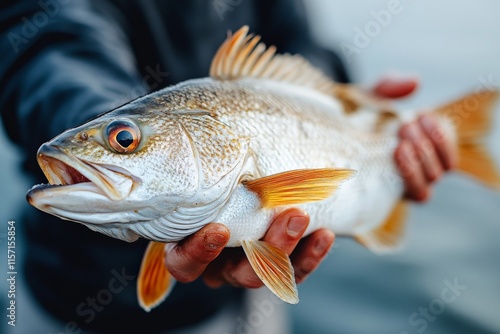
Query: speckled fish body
[
  {"x": 262, "y": 133},
  {"x": 203, "y": 137}
]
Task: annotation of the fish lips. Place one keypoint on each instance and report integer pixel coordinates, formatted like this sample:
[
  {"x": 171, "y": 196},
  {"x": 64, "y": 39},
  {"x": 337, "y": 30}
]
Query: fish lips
[{"x": 72, "y": 181}]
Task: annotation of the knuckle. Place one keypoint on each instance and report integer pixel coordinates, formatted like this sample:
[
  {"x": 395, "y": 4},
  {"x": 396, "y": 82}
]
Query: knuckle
[
  {"x": 182, "y": 276},
  {"x": 435, "y": 175},
  {"x": 243, "y": 276},
  {"x": 309, "y": 264},
  {"x": 253, "y": 285},
  {"x": 424, "y": 147}
]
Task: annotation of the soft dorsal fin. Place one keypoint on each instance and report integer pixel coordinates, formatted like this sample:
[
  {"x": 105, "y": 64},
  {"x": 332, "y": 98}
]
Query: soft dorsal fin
[{"x": 241, "y": 55}]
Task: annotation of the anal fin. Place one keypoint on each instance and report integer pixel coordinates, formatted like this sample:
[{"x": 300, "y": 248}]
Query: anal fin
[
  {"x": 274, "y": 268},
  {"x": 387, "y": 236},
  {"x": 154, "y": 282}
]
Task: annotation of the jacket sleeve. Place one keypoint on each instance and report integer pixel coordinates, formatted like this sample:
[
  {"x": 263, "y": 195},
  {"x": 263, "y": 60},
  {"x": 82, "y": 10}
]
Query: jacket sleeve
[
  {"x": 285, "y": 24},
  {"x": 62, "y": 63}
]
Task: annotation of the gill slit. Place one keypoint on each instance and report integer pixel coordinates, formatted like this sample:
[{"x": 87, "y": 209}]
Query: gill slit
[{"x": 195, "y": 152}]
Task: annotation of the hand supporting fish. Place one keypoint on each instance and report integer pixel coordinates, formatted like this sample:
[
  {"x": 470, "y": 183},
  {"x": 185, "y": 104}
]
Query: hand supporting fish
[
  {"x": 265, "y": 132},
  {"x": 199, "y": 253}
]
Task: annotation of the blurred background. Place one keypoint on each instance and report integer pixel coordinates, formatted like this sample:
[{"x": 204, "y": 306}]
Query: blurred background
[
  {"x": 452, "y": 241},
  {"x": 454, "y": 48}
]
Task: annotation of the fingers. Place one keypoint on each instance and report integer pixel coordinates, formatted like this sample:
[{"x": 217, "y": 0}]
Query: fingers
[
  {"x": 423, "y": 154},
  {"x": 285, "y": 233},
  {"x": 188, "y": 259},
  {"x": 411, "y": 171},
  {"x": 393, "y": 88},
  {"x": 442, "y": 143},
  {"x": 424, "y": 149},
  {"x": 310, "y": 252},
  {"x": 287, "y": 229}
]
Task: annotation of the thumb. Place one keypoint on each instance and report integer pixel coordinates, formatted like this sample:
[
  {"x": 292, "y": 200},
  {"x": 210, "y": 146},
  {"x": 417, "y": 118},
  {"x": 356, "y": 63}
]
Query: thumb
[{"x": 395, "y": 87}]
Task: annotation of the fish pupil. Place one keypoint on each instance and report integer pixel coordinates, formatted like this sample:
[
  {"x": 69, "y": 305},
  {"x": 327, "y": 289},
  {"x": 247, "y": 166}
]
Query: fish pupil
[{"x": 124, "y": 138}]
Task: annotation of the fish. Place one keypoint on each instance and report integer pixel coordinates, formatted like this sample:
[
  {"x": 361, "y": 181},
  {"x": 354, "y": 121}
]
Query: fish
[{"x": 263, "y": 132}]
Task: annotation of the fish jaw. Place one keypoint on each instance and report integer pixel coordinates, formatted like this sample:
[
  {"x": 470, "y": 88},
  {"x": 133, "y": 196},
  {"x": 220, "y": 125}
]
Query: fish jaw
[{"x": 80, "y": 190}]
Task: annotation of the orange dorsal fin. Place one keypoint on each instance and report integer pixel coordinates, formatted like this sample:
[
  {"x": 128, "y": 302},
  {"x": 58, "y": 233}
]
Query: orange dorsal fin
[
  {"x": 298, "y": 186},
  {"x": 387, "y": 236},
  {"x": 273, "y": 267},
  {"x": 472, "y": 118},
  {"x": 242, "y": 56},
  {"x": 154, "y": 282}
]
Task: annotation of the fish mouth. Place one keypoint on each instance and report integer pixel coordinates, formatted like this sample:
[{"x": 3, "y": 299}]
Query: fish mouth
[{"x": 67, "y": 173}]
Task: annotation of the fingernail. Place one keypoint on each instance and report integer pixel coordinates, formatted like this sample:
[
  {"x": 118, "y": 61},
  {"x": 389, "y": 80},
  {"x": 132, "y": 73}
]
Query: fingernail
[
  {"x": 214, "y": 241},
  {"x": 296, "y": 225},
  {"x": 321, "y": 246}
]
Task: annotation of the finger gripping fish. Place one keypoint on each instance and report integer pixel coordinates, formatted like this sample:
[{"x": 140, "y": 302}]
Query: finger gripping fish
[{"x": 262, "y": 133}]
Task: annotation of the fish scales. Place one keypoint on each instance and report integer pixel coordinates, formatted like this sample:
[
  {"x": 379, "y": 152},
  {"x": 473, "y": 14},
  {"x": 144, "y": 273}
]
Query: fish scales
[
  {"x": 264, "y": 132},
  {"x": 313, "y": 133}
]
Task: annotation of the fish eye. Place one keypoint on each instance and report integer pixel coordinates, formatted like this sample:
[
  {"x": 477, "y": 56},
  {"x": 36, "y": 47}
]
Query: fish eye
[{"x": 123, "y": 136}]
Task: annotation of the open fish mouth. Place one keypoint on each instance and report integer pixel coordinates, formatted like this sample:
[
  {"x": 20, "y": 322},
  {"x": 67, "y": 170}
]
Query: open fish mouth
[{"x": 67, "y": 173}]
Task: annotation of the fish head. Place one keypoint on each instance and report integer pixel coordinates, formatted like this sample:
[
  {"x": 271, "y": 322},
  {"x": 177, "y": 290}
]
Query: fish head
[{"x": 135, "y": 166}]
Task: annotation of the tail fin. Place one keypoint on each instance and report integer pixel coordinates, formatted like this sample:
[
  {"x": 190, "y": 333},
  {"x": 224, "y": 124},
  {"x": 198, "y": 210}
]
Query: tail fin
[{"x": 472, "y": 119}]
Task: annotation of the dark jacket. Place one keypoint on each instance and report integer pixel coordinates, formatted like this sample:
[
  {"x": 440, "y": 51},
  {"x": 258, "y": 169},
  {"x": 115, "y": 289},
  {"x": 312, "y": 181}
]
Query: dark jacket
[{"x": 65, "y": 61}]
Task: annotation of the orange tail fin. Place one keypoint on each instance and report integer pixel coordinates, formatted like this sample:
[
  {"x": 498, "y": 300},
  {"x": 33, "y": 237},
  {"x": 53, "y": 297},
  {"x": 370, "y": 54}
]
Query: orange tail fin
[{"x": 472, "y": 118}]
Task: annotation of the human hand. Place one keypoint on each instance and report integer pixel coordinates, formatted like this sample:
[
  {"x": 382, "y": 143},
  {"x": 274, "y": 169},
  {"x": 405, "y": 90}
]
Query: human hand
[
  {"x": 203, "y": 253},
  {"x": 424, "y": 152}
]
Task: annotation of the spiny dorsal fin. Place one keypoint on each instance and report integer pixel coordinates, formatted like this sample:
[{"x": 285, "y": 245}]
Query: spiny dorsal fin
[
  {"x": 387, "y": 236},
  {"x": 241, "y": 55}
]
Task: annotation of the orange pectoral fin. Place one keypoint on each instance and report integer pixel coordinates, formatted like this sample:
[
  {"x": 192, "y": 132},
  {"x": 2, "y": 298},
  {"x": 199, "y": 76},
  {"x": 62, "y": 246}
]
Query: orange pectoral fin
[
  {"x": 274, "y": 268},
  {"x": 154, "y": 282},
  {"x": 298, "y": 186}
]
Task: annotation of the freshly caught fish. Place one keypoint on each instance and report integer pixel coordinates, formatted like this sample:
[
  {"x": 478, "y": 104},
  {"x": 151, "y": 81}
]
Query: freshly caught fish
[{"x": 262, "y": 133}]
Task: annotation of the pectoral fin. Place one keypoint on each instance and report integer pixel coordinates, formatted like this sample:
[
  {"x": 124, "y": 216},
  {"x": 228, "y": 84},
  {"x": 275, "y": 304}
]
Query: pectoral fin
[
  {"x": 274, "y": 268},
  {"x": 298, "y": 186},
  {"x": 388, "y": 235},
  {"x": 154, "y": 282}
]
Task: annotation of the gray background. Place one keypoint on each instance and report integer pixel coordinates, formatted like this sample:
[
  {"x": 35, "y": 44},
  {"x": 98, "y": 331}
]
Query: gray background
[{"x": 453, "y": 48}]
